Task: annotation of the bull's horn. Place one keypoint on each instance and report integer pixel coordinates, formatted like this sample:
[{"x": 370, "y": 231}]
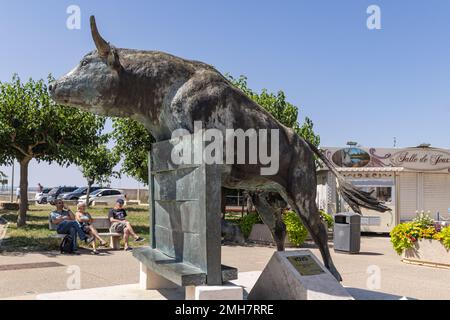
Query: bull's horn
[{"x": 103, "y": 47}]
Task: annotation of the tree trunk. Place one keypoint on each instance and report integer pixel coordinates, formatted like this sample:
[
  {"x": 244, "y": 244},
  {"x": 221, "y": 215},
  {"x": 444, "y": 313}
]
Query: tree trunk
[
  {"x": 249, "y": 203},
  {"x": 23, "y": 206},
  {"x": 88, "y": 192}
]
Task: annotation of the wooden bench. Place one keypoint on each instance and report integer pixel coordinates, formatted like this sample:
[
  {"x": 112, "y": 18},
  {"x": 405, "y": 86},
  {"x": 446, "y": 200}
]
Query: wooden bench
[
  {"x": 99, "y": 203},
  {"x": 13, "y": 206},
  {"x": 101, "y": 224}
]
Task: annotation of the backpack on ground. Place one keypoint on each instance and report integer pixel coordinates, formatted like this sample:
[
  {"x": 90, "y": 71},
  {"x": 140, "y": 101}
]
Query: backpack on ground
[{"x": 66, "y": 245}]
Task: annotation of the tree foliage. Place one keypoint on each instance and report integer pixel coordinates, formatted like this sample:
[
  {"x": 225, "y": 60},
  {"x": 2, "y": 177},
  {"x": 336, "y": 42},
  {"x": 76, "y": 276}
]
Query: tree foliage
[
  {"x": 97, "y": 166},
  {"x": 3, "y": 179},
  {"x": 133, "y": 143},
  {"x": 33, "y": 126},
  {"x": 279, "y": 108}
]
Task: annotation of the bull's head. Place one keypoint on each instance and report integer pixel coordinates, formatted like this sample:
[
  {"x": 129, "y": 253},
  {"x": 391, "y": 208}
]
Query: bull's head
[{"x": 94, "y": 83}]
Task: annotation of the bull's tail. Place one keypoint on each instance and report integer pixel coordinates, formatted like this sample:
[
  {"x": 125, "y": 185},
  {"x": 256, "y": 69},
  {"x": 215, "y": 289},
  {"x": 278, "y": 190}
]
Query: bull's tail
[{"x": 354, "y": 197}]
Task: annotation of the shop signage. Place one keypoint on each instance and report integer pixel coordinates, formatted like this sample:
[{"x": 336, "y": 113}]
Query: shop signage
[
  {"x": 414, "y": 159},
  {"x": 421, "y": 159}
]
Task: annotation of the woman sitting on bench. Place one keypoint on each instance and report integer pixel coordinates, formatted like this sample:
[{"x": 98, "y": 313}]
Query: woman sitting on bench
[{"x": 85, "y": 220}]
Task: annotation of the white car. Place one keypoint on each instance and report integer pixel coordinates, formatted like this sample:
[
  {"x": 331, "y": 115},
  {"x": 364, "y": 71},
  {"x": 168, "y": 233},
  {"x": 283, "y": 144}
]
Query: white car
[
  {"x": 41, "y": 197},
  {"x": 108, "y": 196}
]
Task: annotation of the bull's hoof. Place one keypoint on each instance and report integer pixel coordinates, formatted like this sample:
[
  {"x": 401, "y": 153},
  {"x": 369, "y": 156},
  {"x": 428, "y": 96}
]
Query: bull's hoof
[{"x": 335, "y": 273}]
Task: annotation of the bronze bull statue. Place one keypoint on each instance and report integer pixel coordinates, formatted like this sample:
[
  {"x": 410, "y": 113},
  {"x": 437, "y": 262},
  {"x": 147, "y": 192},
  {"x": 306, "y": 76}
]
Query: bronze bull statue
[{"x": 166, "y": 93}]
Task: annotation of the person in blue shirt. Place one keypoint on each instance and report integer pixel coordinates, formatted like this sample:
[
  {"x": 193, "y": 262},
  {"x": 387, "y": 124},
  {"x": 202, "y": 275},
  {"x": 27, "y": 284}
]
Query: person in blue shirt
[{"x": 65, "y": 221}]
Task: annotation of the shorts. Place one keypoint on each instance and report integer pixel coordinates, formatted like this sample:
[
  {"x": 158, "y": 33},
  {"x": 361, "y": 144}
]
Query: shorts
[{"x": 117, "y": 227}]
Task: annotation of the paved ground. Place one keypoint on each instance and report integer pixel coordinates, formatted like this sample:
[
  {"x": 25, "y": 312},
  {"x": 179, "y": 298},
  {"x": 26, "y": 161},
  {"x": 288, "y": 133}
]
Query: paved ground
[{"x": 120, "y": 268}]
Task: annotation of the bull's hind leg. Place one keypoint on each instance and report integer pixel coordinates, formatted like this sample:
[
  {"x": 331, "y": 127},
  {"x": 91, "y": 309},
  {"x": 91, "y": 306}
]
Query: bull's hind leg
[
  {"x": 305, "y": 207},
  {"x": 270, "y": 208},
  {"x": 302, "y": 195},
  {"x": 316, "y": 228}
]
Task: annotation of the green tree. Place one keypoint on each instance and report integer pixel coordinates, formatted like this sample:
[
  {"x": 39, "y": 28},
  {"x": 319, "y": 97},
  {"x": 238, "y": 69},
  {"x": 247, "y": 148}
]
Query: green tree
[
  {"x": 279, "y": 108},
  {"x": 97, "y": 166},
  {"x": 3, "y": 179},
  {"x": 133, "y": 143},
  {"x": 33, "y": 126}
]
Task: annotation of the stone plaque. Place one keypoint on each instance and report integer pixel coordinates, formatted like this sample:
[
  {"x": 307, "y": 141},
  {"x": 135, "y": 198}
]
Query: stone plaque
[
  {"x": 297, "y": 275},
  {"x": 305, "y": 265}
]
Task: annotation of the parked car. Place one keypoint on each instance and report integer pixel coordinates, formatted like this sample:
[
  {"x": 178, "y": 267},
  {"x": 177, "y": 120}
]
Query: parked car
[
  {"x": 76, "y": 194},
  {"x": 55, "y": 192},
  {"x": 41, "y": 197},
  {"x": 109, "y": 196}
]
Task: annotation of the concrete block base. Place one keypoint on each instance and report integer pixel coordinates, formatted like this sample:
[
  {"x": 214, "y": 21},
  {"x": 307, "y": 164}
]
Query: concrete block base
[
  {"x": 114, "y": 242},
  {"x": 225, "y": 292},
  {"x": 149, "y": 280},
  {"x": 428, "y": 253}
]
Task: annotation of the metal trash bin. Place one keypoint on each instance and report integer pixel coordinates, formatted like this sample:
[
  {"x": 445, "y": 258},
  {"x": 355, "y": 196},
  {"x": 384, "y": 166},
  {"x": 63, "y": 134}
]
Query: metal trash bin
[{"x": 347, "y": 232}]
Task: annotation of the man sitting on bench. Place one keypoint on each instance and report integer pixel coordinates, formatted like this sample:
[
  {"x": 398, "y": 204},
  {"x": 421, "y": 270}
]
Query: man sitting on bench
[
  {"x": 119, "y": 224},
  {"x": 65, "y": 220}
]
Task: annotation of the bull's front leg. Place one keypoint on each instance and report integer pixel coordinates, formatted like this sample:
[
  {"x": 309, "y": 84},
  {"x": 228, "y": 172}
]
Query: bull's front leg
[{"x": 271, "y": 214}]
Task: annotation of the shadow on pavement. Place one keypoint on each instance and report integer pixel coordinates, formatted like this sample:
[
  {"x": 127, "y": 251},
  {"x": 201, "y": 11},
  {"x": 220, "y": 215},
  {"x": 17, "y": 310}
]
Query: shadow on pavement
[{"x": 363, "y": 294}]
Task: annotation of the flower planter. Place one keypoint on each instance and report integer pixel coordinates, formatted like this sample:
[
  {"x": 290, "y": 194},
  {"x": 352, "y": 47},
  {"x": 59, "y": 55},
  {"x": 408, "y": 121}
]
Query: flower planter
[
  {"x": 261, "y": 234},
  {"x": 428, "y": 252}
]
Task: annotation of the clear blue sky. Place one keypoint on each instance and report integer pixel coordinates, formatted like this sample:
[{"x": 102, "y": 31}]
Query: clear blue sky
[{"x": 354, "y": 83}]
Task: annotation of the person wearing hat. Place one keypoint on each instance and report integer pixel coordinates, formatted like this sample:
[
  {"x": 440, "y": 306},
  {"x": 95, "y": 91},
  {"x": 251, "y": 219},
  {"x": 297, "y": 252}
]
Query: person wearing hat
[{"x": 119, "y": 224}]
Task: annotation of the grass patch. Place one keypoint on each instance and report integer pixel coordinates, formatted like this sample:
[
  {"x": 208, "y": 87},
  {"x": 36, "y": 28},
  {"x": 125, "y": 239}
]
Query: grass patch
[{"x": 35, "y": 236}]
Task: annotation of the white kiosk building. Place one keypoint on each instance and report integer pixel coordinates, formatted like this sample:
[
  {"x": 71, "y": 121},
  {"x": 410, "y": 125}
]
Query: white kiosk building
[{"x": 407, "y": 180}]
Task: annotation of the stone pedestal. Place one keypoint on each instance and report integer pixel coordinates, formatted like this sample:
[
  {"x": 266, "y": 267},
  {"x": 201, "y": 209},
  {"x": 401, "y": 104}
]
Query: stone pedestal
[
  {"x": 225, "y": 292},
  {"x": 185, "y": 217},
  {"x": 149, "y": 280},
  {"x": 297, "y": 275}
]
